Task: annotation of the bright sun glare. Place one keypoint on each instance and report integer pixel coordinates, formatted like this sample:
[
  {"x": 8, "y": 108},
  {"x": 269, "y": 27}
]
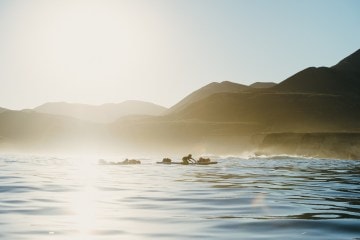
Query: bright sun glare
[
  {"x": 80, "y": 48},
  {"x": 84, "y": 202}
]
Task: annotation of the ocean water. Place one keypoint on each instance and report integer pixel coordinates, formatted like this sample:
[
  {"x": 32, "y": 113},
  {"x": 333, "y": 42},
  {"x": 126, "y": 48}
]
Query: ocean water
[{"x": 257, "y": 198}]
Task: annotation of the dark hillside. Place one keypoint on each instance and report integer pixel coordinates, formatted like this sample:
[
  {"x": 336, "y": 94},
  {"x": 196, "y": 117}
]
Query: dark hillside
[
  {"x": 279, "y": 111},
  {"x": 206, "y": 91},
  {"x": 343, "y": 78}
]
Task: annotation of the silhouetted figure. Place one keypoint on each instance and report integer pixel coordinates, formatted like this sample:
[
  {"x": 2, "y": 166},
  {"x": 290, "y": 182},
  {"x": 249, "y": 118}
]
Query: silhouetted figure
[
  {"x": 203, "y": 160},
  {"x": 131, "y": 161},
  {"x": 166, "y": 160},
  {"x": 134, "y": 161},
  {"x": 188, "y": 159}
]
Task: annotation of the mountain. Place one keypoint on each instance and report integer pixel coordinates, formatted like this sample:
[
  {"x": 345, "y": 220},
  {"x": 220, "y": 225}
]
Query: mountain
[
  {"x": 316, "y": 105},
  {"x": 33, "y": 131},
  {"x": 263, "y": 85},
  {"x": 207, "y": 91},
  {"x": 343, "y": 78},
  {"x": 101, "y": 113},
  {"x": 236, "y": 119},
  {"x": 3, "y": 110},
  {"x": 307, "y": 101},
  {"x": 272, "y": 111},
  {"x": 350, "y": 64},
  {"x": 234, "y": 123}
]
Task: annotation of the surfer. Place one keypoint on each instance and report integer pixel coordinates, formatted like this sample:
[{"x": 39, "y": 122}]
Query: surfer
[
  {"x": 131, "y": 161},
  {"x": 166, "y": 160},
  {"x": 188, "y": 159}
]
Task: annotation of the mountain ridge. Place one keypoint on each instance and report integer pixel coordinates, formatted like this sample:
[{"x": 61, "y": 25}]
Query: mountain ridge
[
  {"x": 349, "y": 63},
  {"x": 263, "y": 85},
  {"x": 221, "y": 117},
  {"x": 342, "y": 78},
  {"x": 207, "y": 90},
  {"x": 103, "y": 113}
]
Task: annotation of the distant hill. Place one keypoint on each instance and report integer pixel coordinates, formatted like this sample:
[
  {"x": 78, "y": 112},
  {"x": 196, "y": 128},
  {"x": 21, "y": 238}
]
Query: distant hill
[
  {"x": 226, "y": 123},
  {"x": 316, "y": 105},
  {"x": 350, "y": 64},
  {"x": 343, "y": 78},
  {"x": 30, "y": 130},
  {"x": 206, "y": 91},
  {"x": 263, "y": 85},
  {"x": 295, "y": 112},
  {"x": 101, "y": 113},
  {"x": 235, "y": 118},
  {"x": 315, "y": 99},
  {"x": 3, "y": 110}
]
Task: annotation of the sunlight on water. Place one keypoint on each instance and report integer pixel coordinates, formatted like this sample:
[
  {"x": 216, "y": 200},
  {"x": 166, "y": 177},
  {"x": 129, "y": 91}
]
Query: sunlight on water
[
  {"x": 84, "y": 202},
  {"x": 267, "y": 198},
  {"x": 260, "y": 202},
  {"x": 84, "y": 206}
]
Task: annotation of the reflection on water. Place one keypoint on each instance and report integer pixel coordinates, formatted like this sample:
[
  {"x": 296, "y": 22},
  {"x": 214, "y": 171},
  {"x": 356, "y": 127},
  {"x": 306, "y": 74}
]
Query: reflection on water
[
  {"x": 274, "y": 198},
  {"x": 84, "y": 202}
]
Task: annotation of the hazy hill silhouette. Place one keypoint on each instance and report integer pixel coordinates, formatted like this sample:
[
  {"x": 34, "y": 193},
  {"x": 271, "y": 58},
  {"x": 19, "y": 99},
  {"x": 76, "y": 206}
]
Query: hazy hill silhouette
[
  {"x": 295, "y": 112},
  {"x": 315, "y": 99},
  {"x": 30, "y": 130},
  {"x": 263, "y": 85},
  {"x": 321, "y": 104},
  {"x": 101, "y": 113},
  {"x": 206, "y": 91},
  {"x": 3, "y": 110}
]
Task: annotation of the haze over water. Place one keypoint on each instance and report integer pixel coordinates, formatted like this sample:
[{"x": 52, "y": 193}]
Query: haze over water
[
  {"x": 256, "y": 198},
  {"x": 161, "y": 77}
]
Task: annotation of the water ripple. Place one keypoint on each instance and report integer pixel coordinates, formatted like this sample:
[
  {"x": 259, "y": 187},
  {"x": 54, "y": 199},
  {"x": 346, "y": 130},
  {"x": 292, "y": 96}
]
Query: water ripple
[{"x": 258, "y": 198}]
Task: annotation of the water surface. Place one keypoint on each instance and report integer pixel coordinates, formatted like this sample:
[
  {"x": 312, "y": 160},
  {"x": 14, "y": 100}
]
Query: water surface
[{"x": 265, "y": 198}]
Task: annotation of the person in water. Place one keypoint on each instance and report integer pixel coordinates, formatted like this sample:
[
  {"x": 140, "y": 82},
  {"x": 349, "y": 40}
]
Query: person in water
[
  {"x": 131, "y": 161},
  {"x": 188, "y": 159}
]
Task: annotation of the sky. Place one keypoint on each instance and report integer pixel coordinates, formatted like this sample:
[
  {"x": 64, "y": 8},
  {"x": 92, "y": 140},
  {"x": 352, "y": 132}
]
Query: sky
[{"x": 109, "y": 51}]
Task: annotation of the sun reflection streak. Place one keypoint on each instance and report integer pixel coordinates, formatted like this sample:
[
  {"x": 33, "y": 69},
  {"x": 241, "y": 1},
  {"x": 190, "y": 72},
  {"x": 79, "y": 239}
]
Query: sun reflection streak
[
  {"x": 84, "y": 201},
  {"x": 260, "y": 202}
]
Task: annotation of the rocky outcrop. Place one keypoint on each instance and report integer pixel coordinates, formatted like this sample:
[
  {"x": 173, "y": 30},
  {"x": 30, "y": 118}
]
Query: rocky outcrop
[{"x": 320, "y": 145}]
